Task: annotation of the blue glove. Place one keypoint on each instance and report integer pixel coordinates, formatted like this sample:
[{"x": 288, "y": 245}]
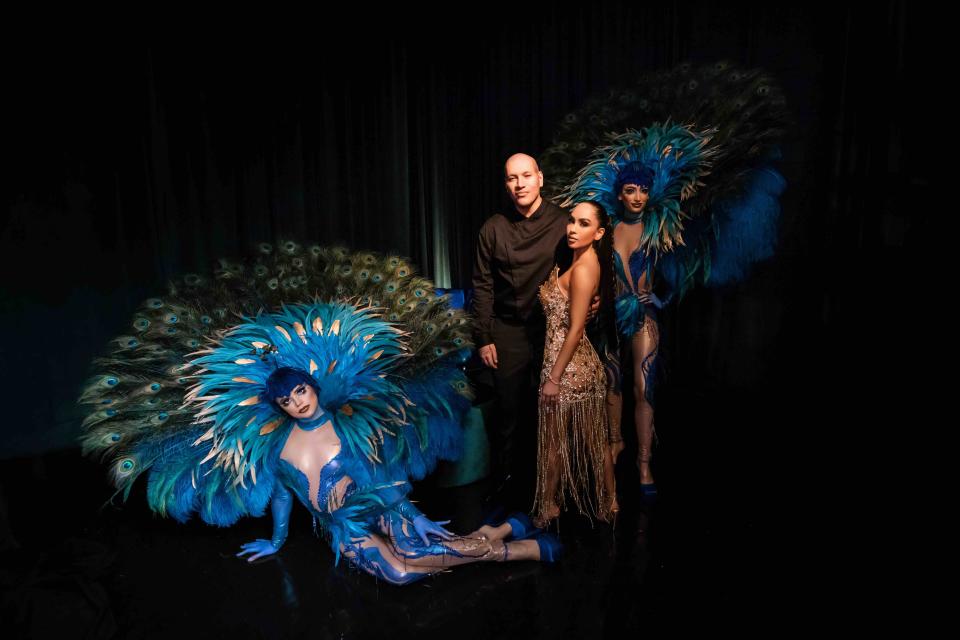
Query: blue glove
[
  {"x": 425, "y": 527},
  {"x": 649, "y": 297},
  {"x": 280, "y": 507},
  {"x": 259, "y": 548}
]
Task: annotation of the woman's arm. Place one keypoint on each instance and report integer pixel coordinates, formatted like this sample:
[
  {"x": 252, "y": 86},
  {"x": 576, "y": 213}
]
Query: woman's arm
[
  {"x": 583, "y": 282},
  {"x": 280, "y": 506},
  {"x": 393, "y": 493}
]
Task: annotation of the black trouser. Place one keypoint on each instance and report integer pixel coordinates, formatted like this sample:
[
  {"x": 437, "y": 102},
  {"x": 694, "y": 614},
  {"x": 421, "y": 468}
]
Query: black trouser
[{"x": 516, "y": 382}]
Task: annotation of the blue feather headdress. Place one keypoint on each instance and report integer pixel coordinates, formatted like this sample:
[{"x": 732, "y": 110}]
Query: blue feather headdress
[
  {"x": 348, "y": 351},
  {"x": 671, "y": 157}
]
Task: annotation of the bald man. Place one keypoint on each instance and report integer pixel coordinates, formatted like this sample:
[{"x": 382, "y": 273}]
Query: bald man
[{"x": 515, "y": 253}]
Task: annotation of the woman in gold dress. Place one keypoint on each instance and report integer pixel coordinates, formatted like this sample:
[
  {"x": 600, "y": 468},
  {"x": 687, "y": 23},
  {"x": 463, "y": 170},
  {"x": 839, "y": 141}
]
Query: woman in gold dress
[{"x": 573, "y": 457}]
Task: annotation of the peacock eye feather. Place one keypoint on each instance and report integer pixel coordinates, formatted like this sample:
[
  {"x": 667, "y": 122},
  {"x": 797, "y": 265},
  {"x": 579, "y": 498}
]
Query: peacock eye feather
[
  {"x": 155, "y": 387},
  {"x": 265, "y": 248},
  {"x": 141, "y": 324},
  {"x": 206, "y": 319}
]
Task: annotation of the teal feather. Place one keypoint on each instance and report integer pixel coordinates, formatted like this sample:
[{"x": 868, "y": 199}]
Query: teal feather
[{"x": 167, "y": 432}]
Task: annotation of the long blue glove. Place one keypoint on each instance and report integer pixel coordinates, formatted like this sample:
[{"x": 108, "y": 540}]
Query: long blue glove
[
  {"x": 426, "y": 527},
  {"x": 649, "y": 297},
  {"x": 423, "y": 525},
  {"x": 280, "y": 507}
]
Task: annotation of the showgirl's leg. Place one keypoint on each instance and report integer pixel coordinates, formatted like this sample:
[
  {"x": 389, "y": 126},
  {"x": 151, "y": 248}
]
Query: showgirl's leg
[
  {"x": 548, "y": 467},
  {"x": 614, "y": 413},
  {"x": 377, "y": 556},
  {"x": 644, "y": 344}
]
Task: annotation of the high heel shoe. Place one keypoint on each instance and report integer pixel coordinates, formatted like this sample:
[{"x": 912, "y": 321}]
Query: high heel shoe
[
  {"x": 648, "y": 492},
  {"x": 551, "y": 549},
  {"x": 610, "y": 511},
  {"x": 521, "y": 527}
]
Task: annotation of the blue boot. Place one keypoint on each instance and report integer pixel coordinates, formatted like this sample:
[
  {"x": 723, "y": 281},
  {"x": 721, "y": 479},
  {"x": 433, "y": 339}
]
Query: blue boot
[
  {"x": 550, "y": 547},
  {"x": 648, "y": 493},
  {"x": 521, "y": 527}
]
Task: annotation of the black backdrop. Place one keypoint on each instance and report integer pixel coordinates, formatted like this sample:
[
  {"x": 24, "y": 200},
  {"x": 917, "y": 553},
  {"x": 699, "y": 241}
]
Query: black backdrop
[{"x": 130, "y": 158}]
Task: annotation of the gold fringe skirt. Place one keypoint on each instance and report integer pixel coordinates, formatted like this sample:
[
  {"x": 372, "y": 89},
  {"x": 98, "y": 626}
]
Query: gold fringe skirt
[{"x": 571, "y": 443}]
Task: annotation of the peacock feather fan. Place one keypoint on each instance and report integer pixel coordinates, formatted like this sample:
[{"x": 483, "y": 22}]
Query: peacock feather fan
[
  {"x": 745, "y": 107},
  {"x": 724, "y": 221},
  {"x": 404, "y": 407},
  {"x": 678, "y": 158}
]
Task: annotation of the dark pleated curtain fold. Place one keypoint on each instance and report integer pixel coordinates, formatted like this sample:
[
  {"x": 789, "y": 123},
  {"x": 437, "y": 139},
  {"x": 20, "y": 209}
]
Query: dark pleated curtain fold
[{"x": 134, "y": 163}]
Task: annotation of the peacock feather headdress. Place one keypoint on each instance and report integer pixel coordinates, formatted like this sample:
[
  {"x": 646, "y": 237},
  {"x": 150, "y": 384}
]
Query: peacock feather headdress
[
  {"x": 384, "y": 347},
  {"x": 675, "y": 158}
]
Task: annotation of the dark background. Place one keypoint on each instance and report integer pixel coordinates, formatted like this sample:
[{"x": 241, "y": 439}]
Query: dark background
[
  {"x": 132, "y": 158},
  {"x": 136, "y": 153}
]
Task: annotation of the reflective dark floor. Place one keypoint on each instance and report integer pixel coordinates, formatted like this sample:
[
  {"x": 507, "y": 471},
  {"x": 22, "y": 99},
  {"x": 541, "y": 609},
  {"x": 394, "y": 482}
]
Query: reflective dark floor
[{"x": 712, "y": 553}]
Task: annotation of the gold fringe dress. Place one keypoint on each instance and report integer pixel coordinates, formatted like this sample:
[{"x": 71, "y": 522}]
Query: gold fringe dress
[{"x": 575, "y": 428}]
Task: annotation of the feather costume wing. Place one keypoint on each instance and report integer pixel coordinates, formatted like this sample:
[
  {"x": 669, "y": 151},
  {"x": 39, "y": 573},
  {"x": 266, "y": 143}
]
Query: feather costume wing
[
  {"x": 342, "y": 308},
  {"x": 723, "y": 219}
]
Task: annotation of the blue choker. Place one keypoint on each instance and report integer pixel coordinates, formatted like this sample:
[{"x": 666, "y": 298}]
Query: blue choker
[
  {"x": 313, "y": 423},
  {"x": 630, "y": 218}
]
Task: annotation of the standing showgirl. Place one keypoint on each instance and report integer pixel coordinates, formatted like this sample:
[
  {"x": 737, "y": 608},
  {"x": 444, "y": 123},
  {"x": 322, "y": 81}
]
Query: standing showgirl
[{"x": 573, "y": 457}]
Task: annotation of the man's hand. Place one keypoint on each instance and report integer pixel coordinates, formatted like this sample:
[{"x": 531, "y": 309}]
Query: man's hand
[
  {"x": 488, "y": 354},
  {"x": 594, "y": 308}
]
